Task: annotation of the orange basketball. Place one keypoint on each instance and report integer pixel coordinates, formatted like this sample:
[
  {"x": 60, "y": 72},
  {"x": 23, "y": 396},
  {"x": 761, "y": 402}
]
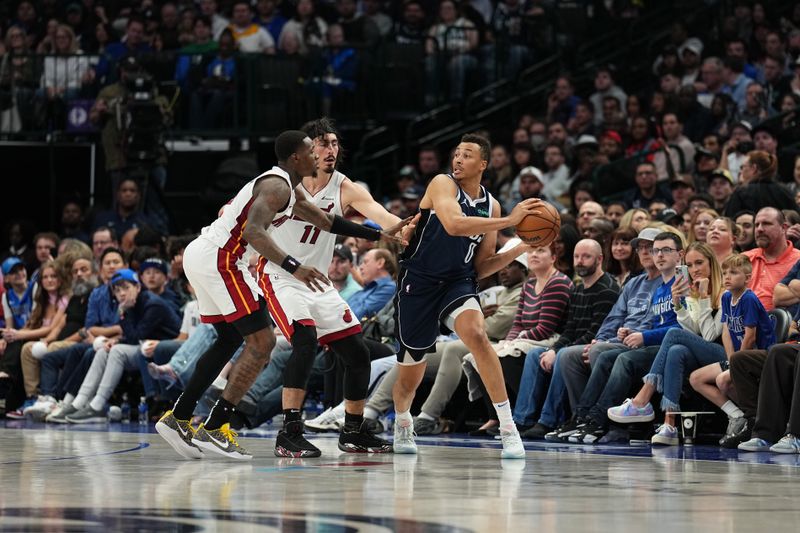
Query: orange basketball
[{"x": 541, "y": 229}]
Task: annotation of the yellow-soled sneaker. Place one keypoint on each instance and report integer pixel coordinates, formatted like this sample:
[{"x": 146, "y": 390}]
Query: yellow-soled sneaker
[
  {"x": 221, "y": 441},
  {"x": 178, "y": 434}
]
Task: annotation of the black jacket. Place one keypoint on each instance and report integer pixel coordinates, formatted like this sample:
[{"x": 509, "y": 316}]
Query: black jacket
[{"x": 758, "y": 194}]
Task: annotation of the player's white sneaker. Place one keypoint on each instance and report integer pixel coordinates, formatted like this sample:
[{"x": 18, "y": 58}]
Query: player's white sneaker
[
  {"x": 512, "y": 445},
  {"x": 404, "y": 439}
]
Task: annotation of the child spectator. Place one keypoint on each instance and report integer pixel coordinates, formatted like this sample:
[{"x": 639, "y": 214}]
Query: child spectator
[{"x": 747, "y": 326}]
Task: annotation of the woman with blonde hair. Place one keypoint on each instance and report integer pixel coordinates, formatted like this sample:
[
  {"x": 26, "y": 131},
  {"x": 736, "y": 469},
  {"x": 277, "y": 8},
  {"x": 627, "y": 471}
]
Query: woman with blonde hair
[
  {"x": 65, "y": 73},
  {"x": 696, "y": 301},
  {"x": 721, "y": 237},
  {"x": 636, "y": 218},
  {"x": 759, "y": 189},
  {"x": 47, "y": 316},
  {"x": 701, "y": 221}
]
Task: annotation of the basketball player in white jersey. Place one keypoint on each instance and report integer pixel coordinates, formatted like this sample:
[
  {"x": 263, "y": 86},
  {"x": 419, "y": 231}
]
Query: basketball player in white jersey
[
  {"x": 228, "y": 296},
  {"x": 306, "y": 318}
]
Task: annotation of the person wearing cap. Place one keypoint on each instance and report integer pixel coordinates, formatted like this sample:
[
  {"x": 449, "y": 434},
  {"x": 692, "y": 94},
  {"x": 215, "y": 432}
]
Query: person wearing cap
[
  {"x": 339, "y": 272},
  {"x": 705, "y": 162},
  {"x": 670, "y": 217},
  {"x": 406, "y": 177},
  {"x": 411, "y": 197},
  {"x": 720, "y": 188},
  {"x": 444, "y": 365},
  {"x": 690, "y": 53},
  {"x": 143, "y": 316},
  {"x": 647, "y": 189},
  {"x": 683, "y": 187},
  {"x": 529, "y": 184},
  {"x": 765, "y": 139},
  {"x": 735, "y": 149},
  {"x": 18, "y": 297},
  {"x": 154, "y": 275}
]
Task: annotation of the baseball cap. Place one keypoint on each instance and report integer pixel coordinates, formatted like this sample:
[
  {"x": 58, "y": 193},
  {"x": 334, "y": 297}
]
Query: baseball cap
[
  {"x": 522, "y": 259},
  {"x": 154, "y": 262},
  {"x": 126, "y": 274},
  {"x": 613, "y": 135},
  {"x": 721, "y": 173},
  {"x": 647, "y": 234},
  {"x": 766, "y": 129},
  {"x": 408, "y": 171},
  {"x": 340, "y": 250},
  {"x": 586, "y": 140},
  {"x": 668, "y": 215},
  {"x": 414, "y": 192},
  {"x": 684, "y": 179},
  {"x": 693, "y": 44},
  {"x": 530, "y": 171},
  {"x": 701, "y": 152},
  {"x": 10, "y": 264},
  {"x": 742, "y": 124}
]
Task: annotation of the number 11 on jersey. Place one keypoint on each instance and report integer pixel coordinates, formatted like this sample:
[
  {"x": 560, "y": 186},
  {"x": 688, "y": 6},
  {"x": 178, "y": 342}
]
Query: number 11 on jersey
[{"x": 310, "y": 231}]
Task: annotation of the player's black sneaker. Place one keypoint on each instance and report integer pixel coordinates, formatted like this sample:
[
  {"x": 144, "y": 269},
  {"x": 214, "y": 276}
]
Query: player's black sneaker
[
  {"x": 362, "y": 441},
  {"x": 292, "y": 443}
]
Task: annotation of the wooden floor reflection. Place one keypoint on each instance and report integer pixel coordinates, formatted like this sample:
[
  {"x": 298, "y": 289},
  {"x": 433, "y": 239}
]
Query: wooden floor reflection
[{"x": 94, "y": 479}]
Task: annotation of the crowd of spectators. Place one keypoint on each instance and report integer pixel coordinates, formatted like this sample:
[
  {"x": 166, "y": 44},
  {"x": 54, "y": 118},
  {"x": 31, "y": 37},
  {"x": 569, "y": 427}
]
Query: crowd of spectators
[{"x": 698, "y": 170}]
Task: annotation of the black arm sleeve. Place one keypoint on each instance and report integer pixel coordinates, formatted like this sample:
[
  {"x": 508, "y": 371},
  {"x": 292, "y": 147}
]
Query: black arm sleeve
[{"x": 342, "y": 226}]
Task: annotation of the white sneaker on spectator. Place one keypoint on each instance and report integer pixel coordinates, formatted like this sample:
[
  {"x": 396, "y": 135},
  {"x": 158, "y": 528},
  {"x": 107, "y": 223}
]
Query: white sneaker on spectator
[
  {"x": 44, "y": 406},
  {"x": 326, "y": 421},
  {"x": 59, "y": 415}
]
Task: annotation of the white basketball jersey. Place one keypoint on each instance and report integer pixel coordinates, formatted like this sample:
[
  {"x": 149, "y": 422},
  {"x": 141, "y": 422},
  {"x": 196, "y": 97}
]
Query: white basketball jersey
[
  {"x": 304, "y": 241},
  {"x": 226, "y": 231}
]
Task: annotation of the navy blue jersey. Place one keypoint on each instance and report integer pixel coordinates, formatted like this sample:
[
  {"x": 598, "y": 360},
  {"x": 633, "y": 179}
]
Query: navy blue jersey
[{"x": 434, "y": 253}]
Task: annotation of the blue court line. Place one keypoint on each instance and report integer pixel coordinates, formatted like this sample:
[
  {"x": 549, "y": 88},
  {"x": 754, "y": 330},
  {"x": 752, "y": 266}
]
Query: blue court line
[{"x": 141, "y": 446}]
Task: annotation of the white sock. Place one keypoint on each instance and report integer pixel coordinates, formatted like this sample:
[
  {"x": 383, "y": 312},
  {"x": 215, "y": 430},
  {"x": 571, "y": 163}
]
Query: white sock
[
  {"x": 79, "y": 401},
  {"x": 403, "y": 419},
  {"x": 730, "y": 409},
  {"x": 97, "y": 404},
  {"x": 504, "y": 414},
  {"x": 426, "y": 416},
  {"x": 68, "y": 399},
  {"x": 371, "y": 413}
]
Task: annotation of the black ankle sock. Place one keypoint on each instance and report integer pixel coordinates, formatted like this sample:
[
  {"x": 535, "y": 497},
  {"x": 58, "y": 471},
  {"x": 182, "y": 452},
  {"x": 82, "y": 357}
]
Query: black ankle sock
[
  {"x": 291, "y": 415},
  {"x": 220, "y": 414},
  {"x": 183, "y": 408},
  {"x": 352, "y": 423}
]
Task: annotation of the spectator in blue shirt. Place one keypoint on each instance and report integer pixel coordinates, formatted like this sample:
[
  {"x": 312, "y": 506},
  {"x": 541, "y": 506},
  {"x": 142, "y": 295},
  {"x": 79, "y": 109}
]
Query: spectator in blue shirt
[
  {"x": 217, "y": 88},
  {"x": 378, "y": 269},
  {"x": 127, "y": 214},
  {"x": 269, "y": 18},
  {"x": 131, "y": 44}
]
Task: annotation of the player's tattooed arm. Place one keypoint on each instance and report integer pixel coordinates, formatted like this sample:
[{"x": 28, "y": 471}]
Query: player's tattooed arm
[{"x": 270, "y": 196}]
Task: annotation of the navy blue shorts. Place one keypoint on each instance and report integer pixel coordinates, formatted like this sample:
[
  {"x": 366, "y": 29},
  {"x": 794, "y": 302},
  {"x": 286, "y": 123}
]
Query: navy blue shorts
[{"x": 421, "y": 305}]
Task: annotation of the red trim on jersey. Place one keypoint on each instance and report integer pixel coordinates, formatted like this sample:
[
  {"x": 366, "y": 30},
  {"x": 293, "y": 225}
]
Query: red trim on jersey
[
  {"x": 274, "y": 306},
  {"x": 238, "y": 290},
  {"x": 337, "y": 335}
]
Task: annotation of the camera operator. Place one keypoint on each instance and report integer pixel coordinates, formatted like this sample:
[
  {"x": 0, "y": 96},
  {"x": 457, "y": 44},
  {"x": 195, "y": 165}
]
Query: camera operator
[{"x": 132, "y": 118}]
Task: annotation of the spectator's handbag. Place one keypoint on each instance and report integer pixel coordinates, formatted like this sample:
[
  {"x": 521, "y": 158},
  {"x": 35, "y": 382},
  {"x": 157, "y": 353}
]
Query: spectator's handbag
[
  {"x": 520, "y": 347},
  {"x": 380, "y": 326}
]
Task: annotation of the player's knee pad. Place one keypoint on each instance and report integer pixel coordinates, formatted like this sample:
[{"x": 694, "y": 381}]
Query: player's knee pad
[
  {"x": 355, "y": 356},
  {"x": 304, "y": 351}
]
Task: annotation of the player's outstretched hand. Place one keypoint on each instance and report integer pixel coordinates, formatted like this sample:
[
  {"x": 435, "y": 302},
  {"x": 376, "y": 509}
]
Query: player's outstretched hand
[
  {"x": 313, "y": 278},
  {"x": 531, "y": 206},
  {"x": 405, "y": 227}
]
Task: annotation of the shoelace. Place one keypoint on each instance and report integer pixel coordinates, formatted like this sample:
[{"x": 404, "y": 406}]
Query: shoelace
[
  {"x": 510, "y": 439},
  {"x": 229, "y": 434},
  {"x": 407, "y": 433}
]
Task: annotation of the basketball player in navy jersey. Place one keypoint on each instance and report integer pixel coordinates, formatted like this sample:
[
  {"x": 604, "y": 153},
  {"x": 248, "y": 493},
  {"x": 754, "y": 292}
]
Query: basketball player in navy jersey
[
  {"x": 229, "y": 298},
  {"x": 453, "y": 246}
]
